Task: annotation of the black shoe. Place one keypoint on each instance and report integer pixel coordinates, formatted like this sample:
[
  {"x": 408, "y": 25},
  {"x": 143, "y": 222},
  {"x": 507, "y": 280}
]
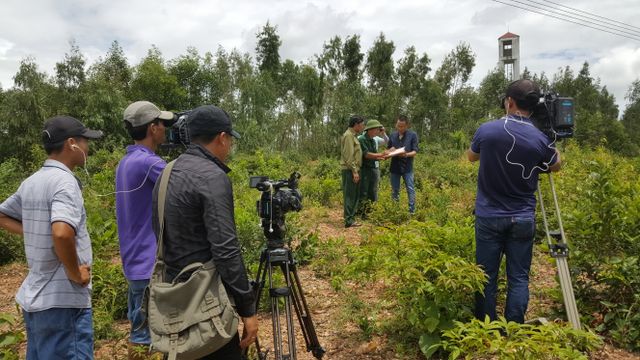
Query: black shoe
[{"x": 355, "y": 224}]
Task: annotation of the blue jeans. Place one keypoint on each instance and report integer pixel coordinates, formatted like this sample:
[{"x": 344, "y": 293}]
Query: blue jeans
[
  {"x": 411, "y": 191},
  {"x": 139, "y": 334},
  {"x": 59, "y": 333},
  {"x": 513, "y": 237}
]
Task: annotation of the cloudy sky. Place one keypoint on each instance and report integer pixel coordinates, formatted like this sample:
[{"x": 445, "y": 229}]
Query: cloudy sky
[{"x": 44, "y": 28}]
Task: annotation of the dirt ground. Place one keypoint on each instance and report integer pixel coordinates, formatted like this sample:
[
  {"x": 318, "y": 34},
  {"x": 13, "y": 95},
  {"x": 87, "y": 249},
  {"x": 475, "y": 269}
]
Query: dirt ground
[{"x": 339, "y": 335}]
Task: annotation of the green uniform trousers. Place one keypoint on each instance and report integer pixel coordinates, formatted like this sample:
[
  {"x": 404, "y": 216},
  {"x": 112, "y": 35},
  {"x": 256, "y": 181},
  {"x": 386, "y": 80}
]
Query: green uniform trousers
[
  {"x": 350, "y": 194},
  {"x": 369, "y": 181}
]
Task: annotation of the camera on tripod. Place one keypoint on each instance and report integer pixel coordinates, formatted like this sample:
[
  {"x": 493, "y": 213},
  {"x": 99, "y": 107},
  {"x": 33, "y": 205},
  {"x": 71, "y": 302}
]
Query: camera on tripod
[
  {"x": 274, "y": 203},
  {"x": 554, "y": 116}
]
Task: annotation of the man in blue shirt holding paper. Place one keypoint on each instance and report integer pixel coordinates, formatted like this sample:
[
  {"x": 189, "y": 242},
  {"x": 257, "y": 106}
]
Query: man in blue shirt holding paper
[{"x": 402, "y": 164}]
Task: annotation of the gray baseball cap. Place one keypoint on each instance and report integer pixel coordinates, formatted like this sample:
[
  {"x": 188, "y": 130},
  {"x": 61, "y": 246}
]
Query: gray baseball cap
[{"x": 143, "y": 112}]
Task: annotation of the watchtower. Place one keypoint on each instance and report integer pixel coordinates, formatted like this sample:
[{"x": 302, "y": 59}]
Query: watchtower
[{"x": 509, "y": 55}]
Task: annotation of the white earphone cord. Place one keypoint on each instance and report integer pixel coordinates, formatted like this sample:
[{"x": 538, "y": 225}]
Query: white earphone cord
[
  {"x": 550, "y": 146},
  {"x": 85, "y": 161},
  {"x": 136, "y": 189}
]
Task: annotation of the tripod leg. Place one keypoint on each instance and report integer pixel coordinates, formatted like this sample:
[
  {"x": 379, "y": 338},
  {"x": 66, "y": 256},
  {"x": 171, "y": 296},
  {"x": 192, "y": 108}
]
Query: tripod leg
[
  {"x": 563, "y": 269},
  {"x": 287, "y": 306},
  {"x": 304, "y": 317},
  {"x": 275, "y": 315},
  {"x": 560, "y": 251},
  {"x": 258, "y": 286}
]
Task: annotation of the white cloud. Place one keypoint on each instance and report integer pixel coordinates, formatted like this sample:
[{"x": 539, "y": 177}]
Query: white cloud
[
  {"x": 43, "y": 29},
  {"x": 619, "y": 66}
]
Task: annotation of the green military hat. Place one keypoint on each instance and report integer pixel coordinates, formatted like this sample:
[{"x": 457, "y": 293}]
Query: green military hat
[{"x": 372, "y": 124}]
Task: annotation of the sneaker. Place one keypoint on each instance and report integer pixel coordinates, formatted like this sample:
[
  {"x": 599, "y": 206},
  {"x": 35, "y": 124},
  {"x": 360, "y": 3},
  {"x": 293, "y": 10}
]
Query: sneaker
[{"x": 355, "y": 224}]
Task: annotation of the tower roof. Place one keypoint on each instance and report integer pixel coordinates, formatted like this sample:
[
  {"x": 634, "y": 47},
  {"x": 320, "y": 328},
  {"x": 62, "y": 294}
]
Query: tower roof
[{"x": 508, "y": 35}]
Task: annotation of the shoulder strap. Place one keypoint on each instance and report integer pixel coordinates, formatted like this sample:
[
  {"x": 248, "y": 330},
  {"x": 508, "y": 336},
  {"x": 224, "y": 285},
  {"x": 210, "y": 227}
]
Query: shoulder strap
[{"x": 162, "y": 194}]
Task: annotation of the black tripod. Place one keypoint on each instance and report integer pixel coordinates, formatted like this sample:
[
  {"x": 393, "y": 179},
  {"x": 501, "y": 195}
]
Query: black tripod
[{"x": 291, "y": 293}]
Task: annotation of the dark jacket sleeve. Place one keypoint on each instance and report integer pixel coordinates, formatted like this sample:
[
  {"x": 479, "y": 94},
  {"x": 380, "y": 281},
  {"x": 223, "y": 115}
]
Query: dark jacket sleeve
[{"x": 225, "y": 249}]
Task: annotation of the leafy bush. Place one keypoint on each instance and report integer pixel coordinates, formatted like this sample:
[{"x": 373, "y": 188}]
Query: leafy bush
[
  {"x": 431, "y": 287},
  {"x": 600, "y": 198},
  {"x": 10, "y": 337},
  {"x": 324, "y": 192},
  {"x": 508, "y": 340},
  {"x": 11, "y": 175},
  {"x": 109, "y": 298}
]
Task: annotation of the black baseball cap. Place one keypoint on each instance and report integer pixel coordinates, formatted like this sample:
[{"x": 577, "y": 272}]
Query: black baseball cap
[
  {"x": 209, "y": 120},
  {"x": 60, "y": 128},
  {"x": 524, "y": 90}
]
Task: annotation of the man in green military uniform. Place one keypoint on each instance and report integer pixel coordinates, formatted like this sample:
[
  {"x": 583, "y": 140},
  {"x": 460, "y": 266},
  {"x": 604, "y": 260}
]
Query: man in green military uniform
[
  {"x": 350, "y": 162},
  {"x": 370, "y": 169}
]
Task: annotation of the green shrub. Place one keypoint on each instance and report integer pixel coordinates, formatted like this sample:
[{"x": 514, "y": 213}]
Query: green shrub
[
  {"x": 600, "y": 198},
  {"x": 10, "y": 337},
  {"x": 109, "y": 298},
  {"x": 324, "y": 192},
  {"x": 431, "y": 287},
  {"x": 508, "y": 340},
  {"x": 11, "y": 175}
]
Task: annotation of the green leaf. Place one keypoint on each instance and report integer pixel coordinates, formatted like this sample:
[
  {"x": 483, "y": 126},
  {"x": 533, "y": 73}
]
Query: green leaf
[{"x": 429, "y": 344}]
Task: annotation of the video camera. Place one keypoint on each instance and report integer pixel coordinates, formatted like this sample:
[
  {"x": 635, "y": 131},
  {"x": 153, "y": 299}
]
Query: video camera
[
  {"x": 554, "y": 116},
  {"x": 178, "y": 133},
  {"x": 274, "y": 203}
]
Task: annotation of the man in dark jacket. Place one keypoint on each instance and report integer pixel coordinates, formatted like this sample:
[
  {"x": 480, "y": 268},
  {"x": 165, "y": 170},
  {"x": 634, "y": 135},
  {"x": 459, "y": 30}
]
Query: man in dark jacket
[{"x": 199, "y": 220}]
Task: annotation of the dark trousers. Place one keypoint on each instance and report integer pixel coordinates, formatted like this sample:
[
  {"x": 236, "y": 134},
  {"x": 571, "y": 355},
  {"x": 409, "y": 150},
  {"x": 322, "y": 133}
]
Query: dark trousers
[
  {"x": 231, "y": 351},
  {"x": 369, "y": 182},
  {"x": 513, "y": 237},
  {"x": 350, "y": 194}
]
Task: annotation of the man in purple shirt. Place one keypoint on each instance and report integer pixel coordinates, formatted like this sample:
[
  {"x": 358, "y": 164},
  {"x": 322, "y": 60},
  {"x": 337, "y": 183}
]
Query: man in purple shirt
[{"x": 136, "y": 175}]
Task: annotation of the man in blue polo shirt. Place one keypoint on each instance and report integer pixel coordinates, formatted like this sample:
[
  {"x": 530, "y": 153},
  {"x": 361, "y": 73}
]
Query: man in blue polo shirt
[
  {"x": 402, "y": 165},
  {"x": 136, "y": 176},
  {"x": 512, "y": 152},
  {"x": 48, "y": 211}
]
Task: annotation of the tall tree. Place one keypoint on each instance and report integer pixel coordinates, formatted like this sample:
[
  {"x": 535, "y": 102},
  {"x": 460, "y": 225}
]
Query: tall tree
[
  {"x": 267, "y": 49},
  {"x": 23, "y": 110},
  {"x": 152, "y": 82},
  {"x": 70, "y": 78},
  {"x": 456, "y": 69},
  {"x": 631, "y": 117},
  {"x": 420, "y": 96},
  {"x": 188, "y": 71},
  {"x": 380, "y": 64},
  {"x": 330, "y": 62},
  {"x": 352, "y": 58},
  {"x": 105, "y": 96},
  {"x": 491, "y": 90},
  {"x": 383, "y": 100}
]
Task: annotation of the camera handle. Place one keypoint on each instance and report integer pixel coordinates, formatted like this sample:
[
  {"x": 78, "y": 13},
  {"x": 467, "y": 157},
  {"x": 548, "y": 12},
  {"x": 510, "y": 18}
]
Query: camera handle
[{"x": 559, "y": 250}]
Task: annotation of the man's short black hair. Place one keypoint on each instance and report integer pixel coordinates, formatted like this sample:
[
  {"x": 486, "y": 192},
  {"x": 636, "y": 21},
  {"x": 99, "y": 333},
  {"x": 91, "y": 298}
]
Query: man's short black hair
[
  {"x": 204, "y": 139},
  {"x": 403, "y": 118},
  {"x": 525, "y": 93},
  {"x": 51, "y": 148},
  {"x": 355, "y": 120},
  {"x": 139, "y": 132}
]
